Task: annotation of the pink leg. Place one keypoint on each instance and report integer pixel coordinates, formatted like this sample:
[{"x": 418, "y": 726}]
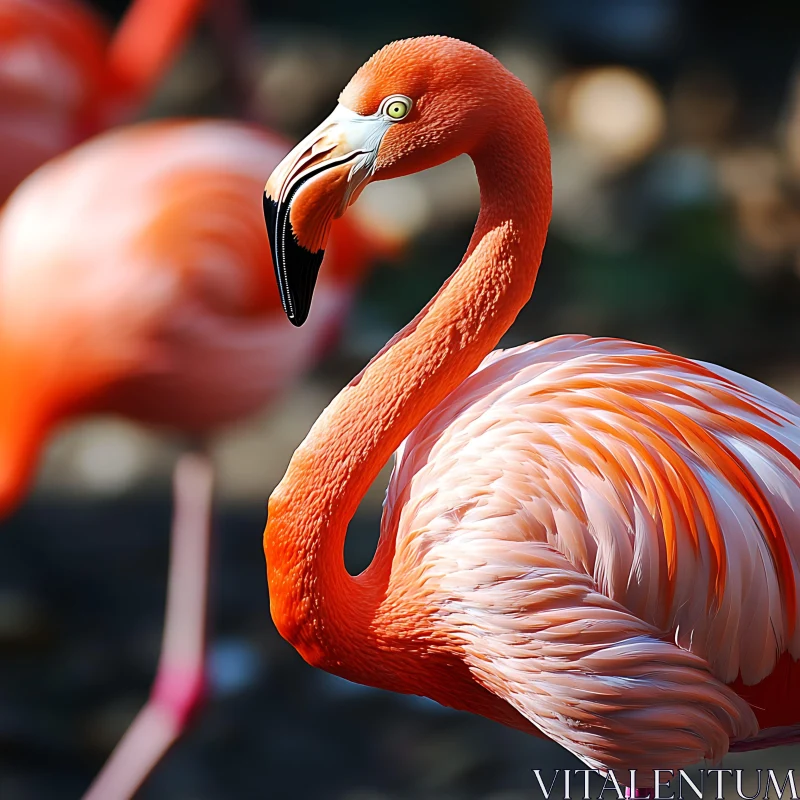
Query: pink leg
[{"x": 179, "y": 687}]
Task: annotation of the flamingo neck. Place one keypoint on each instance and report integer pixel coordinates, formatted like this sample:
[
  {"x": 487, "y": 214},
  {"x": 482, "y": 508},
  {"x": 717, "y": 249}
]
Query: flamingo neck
[
  {"x": 145, "y": 42},
  {"x": 26, "y": 417},
  {"x": 337, "y": 621}
]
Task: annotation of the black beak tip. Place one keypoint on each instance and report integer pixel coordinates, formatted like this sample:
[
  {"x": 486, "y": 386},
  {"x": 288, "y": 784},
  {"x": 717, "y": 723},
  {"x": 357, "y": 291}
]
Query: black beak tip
[
  {"x": 271, "y": 220},
  {"x": 296, "y": 268}
]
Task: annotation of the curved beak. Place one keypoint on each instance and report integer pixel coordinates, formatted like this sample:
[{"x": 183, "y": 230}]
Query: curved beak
[{"x": 312, "y": 186}]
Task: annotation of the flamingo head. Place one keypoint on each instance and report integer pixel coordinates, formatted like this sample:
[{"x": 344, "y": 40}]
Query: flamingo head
[{"x": 415, "y": 104}]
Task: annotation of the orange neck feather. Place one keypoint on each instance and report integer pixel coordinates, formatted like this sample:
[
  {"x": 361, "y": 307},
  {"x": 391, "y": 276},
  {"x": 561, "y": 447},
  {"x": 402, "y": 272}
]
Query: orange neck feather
[
  {"x": 145, "y": 42},
  {"x": 347, "y": 624},
  {"x": 25, "y": 419}
]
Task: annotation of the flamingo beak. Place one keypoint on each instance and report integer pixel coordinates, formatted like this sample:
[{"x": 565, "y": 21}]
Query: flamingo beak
[{"x": 312, "y": 186}]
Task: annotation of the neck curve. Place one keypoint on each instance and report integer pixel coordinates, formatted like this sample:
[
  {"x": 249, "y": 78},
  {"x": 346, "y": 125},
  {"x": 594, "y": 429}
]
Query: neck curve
[
  {"x": 144, "y": 44},
  {"x": 331, "y": 617}
]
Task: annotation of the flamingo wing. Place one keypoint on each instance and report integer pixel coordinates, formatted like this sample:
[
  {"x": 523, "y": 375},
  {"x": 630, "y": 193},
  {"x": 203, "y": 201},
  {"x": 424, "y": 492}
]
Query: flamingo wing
[
  {"x": 611, "y": 536},
  {"x": 165, "y": 291},
  {"x": 52, "y": 82}
]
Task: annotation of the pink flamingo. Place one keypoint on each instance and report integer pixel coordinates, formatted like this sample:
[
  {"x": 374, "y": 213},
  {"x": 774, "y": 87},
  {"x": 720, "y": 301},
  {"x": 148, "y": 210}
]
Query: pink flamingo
[
  {"x": 588, "y": 539},
  {"x": 134, "y": 279},
  {"x": 63, "y": 78}
]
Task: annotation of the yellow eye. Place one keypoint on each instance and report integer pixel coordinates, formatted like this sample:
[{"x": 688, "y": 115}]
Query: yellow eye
[{"x": 397, "y": 107}]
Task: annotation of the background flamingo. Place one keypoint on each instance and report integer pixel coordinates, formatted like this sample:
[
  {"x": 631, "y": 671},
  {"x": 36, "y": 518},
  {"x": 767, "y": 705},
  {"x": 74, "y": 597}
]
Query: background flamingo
[
  {"x": 63, "y": 78},
  {"x": 134, "y": 279},
  {"x": 675, "y": 223},
  {"x": 588, "y": 538}
]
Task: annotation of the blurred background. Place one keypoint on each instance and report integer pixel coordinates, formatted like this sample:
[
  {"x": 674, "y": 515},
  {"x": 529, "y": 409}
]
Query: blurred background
[{"x": 675, "y": 129}]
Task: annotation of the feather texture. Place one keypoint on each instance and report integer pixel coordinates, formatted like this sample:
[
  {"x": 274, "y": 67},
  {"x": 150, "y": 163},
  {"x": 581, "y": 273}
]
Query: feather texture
[{"x": 562, "y": 506}]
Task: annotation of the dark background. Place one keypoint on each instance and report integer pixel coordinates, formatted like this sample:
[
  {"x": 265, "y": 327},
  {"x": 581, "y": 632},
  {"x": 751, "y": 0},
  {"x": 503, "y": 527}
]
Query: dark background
[{"x": 688, "y": 238}]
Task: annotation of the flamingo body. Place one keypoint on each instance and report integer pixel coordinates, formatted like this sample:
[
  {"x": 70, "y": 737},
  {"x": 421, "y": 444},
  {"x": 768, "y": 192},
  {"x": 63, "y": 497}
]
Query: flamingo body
[
  {"x": 134, "y": 280},
  {"x": 64, "y": 76},
  {"x": 559, "y": 510},
  {"x": 52, "y": 82},
  {"x": 590, "y": 539}
]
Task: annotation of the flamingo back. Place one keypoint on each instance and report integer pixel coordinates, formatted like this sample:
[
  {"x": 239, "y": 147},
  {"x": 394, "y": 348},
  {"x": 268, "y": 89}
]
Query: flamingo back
[
  {"x": 52, "y": 81},
  {"x": 135, "y": 277},
  {"x": 611, "y": 536}
]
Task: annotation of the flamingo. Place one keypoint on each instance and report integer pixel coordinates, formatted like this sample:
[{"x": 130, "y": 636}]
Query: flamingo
[
  {"x": 133, "y": 280},
  {"x": 62, "y": 78},
  {"x": 588, "y": 539}
]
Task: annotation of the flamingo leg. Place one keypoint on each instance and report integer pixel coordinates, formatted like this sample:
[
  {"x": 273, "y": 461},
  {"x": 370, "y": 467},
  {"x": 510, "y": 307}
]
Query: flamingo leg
[{"x": 179, "y": 687}]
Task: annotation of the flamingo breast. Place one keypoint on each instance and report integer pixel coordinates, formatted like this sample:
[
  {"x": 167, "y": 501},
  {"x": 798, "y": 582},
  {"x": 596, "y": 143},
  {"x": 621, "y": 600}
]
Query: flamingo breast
[
  {"x": 136, "y": 268},
  {"x": 595, "y": 521},
  {"x": 52, "y": 59}
]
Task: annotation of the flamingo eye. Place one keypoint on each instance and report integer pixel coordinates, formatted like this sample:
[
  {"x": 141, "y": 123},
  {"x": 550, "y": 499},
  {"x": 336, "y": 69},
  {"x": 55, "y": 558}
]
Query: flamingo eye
[{"x": 396, "y": 107}]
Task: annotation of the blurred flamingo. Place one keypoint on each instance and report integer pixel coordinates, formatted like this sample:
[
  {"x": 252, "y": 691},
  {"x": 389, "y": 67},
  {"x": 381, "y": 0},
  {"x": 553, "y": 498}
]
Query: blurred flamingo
[
  {"x": 62, "y": 78},
  {"x": 589, "y": 539},
  {"x": 134, "y": 279}
]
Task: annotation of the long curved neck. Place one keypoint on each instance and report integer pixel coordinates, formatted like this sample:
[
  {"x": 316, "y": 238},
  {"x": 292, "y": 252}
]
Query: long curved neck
[
  {"x": 145, "y": 42},
  {"x": 328, "y": 615}
]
